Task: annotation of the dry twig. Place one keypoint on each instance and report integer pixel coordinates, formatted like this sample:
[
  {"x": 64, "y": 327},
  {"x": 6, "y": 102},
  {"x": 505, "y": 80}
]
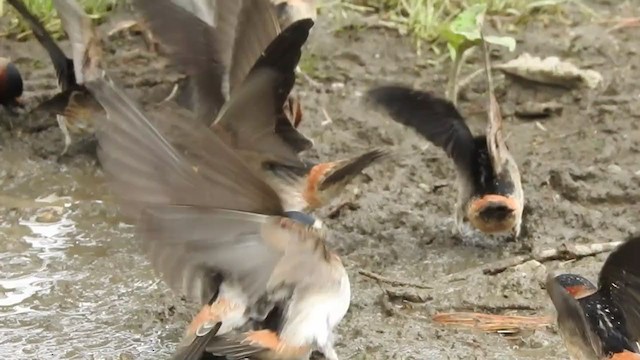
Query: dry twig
[
  {"x": 562, "y": 252},
  {"x": 390, "y": 281}
]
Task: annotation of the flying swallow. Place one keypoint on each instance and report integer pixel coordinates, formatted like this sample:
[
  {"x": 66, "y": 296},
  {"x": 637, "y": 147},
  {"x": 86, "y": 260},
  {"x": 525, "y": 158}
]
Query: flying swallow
[
  {"x": 216, "y": 231},
  {"x": 601, "y": 322},
  {"x": 11, "y": 85},
  {"x": 490, "y": 192},
  {"x": 74, "y": 105},
  {"x": 239, "y": 39}
]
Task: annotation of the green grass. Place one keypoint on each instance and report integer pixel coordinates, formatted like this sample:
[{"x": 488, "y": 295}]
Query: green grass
[
  {"x": 43, "y": 9},
  {"x": 425, "y": 20},
  {"x": 422, "y": 19}
]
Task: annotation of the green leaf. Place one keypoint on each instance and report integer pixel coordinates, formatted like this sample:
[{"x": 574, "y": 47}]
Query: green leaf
[
  {"x": 468, "y": 22},
  {"x": 464, "y": 31},
  {"x": 506, "y": 41}
]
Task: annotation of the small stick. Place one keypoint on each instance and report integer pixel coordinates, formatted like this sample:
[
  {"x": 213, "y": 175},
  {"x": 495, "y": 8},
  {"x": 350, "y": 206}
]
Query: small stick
[
  {"x": 327, "y": 119},
  {"x": 575, "y": 251},
  {"x": 172, "y": 95},
  {"x": 563, "y": 252},
  {"x": 409, "y": 295},
  {"x": 465, "y": 81},
  {"x": 393, "y": 282}
]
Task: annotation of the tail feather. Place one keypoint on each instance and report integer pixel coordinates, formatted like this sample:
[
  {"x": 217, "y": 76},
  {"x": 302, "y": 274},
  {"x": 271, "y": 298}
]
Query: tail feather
[
  {"x": 346, "y": 170},
  {"x": 56, "y": 104}
]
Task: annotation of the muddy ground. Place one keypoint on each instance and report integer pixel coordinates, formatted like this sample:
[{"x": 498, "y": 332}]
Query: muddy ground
[{"x": 75, "y": 285}]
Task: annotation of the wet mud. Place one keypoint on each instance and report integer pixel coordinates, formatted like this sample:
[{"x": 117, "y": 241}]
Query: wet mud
[{"x": 75, "y": 284}]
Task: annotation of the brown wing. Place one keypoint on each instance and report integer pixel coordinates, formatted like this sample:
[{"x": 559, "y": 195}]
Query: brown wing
[
  {"x": 247, "y": 119},
  {"x": 206, "y": 10},
  {"x": 186, "y": 244},
  {"x": 257, "y": 26},
  {"x": 183, "y": 226},
  {"x": 283, "y": 55},
  {"x": 261, "y": 132},
  {"x": 204, "y": 52},
  {"x": 146, "y": 170}
]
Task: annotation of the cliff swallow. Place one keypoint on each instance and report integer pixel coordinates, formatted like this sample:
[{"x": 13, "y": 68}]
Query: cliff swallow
[
  {"x": 490, "y": 193},
  {"x": 239, "y": 40},
  {"x": 603, "y": 322},
  {"x": 11, "y": 85},
  {"x": 216, "y": 231},
  {"x": 73, "y": 106}
]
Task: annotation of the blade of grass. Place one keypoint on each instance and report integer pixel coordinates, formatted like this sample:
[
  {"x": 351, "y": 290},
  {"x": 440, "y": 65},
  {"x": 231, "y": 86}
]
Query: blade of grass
[{"x": 43, "y": 9}]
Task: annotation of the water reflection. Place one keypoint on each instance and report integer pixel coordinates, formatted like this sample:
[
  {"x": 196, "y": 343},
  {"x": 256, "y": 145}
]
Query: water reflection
[{"x": 49, "y": 228}]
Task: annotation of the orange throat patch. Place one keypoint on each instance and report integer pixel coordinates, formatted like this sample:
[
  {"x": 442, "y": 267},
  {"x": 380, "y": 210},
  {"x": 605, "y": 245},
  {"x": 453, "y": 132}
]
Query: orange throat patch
[
  {"x": 625, "y": 355},
  {"x": 579, "y": 291},
  {"x": 311, "y": 194}
]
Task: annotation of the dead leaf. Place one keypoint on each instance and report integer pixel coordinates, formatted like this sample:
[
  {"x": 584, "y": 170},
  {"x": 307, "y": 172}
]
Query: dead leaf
[{"x": 550, "y": 70}]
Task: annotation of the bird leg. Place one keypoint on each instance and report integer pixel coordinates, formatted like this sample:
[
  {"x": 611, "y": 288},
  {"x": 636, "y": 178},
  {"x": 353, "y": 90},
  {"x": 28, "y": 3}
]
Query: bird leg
[
  {"x": 458, "y": 227},
  {"x": 307, "y": 77},
  {"x": 62, "y": 124},
  {"x": 329, "y": 352}
]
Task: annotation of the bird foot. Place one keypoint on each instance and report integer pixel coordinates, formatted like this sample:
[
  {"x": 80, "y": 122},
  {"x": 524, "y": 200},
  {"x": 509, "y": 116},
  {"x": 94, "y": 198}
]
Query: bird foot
[
  {"x": 65, "y": 132},
  {"x": 329, "y": 352}
]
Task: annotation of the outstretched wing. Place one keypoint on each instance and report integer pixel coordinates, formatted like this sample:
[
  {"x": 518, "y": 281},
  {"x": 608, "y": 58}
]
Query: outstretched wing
[
  {"x": 202, "y": 50},
  {"x": 620, "y": 281},
  {"x": 145, "y": 169},
  {"x": 571, "y": 317}
]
